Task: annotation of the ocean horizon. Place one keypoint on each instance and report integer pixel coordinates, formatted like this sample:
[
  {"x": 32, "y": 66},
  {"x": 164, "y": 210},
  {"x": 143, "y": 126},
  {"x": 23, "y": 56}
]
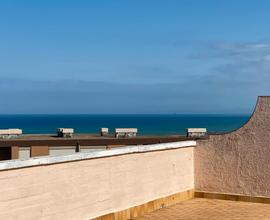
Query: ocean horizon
[{"x": 147, "y": 124}]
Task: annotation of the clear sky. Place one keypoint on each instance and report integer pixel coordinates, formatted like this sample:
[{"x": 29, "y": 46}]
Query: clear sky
[{"x": 133, "y": 56}]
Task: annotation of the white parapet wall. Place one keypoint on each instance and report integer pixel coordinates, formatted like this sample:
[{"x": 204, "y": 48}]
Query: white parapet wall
[{"x": 87, "y": 185}]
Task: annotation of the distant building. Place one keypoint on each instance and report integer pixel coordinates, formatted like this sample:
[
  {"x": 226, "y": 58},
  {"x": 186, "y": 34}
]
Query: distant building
[
  {"x": 126, "y": 132},
  {"x": 104, "y": 131},
  {"x": 196, "y": 132},
  {"x": 65, "y": 132},
  {"x": 9, "y": 133}
]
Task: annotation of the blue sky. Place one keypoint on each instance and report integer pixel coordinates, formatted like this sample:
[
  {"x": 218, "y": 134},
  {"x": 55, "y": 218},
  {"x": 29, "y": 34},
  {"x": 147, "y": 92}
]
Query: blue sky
[{"x": 129, "y": 56}]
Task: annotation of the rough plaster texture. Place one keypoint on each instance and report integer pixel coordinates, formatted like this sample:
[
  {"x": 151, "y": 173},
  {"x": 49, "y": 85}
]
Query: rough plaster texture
[
  {"x": 237, "y": 162},
  {"x": 93, "y": 187}
]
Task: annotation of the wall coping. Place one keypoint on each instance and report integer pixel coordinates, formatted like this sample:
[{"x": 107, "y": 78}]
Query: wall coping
[{"x": 47, "y": 160}]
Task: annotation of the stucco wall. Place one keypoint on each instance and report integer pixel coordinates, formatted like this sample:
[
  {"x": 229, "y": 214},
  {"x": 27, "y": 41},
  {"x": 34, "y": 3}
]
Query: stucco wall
[
  {"x": 237, "y": 162},
  {"x": 89, "y": 188}
]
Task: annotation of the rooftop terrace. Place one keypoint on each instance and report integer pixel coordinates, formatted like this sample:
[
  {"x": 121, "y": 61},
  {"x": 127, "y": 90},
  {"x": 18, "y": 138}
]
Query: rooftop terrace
[
  {"x": 211, "y": 209},
  {"x": 184, "y": 179}
]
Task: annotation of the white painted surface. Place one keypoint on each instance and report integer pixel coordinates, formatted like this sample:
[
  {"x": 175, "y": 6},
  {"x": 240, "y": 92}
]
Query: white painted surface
[
  {"x": 197, "y": 130},
  {"x": 106, "y": 130},
  {"x": 123, "y": 130},
  {"x": 61, "y": 151},
  {"x": 14, "y": 131},
  {"x": 66, "y": 130},
  {"x": 24, "y": 153},
  {"x": 86, "y": 149}
]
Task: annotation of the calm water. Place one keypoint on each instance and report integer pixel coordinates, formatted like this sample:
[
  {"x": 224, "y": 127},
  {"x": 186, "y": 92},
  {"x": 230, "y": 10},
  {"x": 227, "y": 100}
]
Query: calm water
[{"x": 147, "y": 124}]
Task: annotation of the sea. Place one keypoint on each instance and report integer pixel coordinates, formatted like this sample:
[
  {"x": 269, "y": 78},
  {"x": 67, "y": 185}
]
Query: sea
[{"x": 173, "y": 124}]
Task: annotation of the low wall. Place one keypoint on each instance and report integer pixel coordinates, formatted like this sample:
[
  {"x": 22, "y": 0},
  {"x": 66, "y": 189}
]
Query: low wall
[
  {"x": 85, "y": 186},
  {"x": 115, "y": 182},
  {"x": 237, "y": 162}
]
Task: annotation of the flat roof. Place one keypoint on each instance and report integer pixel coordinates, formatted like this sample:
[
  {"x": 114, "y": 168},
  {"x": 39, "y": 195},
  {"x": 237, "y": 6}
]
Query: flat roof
[{"x": 88, "y": 140}]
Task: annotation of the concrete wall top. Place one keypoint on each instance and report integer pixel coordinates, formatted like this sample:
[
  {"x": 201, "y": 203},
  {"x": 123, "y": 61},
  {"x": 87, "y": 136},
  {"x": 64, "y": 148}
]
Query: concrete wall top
[{"x": 46, "y": 160}]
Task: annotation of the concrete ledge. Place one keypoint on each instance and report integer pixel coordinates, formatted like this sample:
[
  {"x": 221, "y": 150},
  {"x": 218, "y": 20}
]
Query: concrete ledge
[
  {"x": 223, "y": 196},
  {"x": 148, "y": 207},
  {"x": 46, "y": 160}
]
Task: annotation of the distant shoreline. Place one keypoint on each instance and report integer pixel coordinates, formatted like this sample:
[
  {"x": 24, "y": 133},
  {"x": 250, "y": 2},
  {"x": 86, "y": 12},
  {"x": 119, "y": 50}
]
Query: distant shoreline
[{"x": 158, "y": 125}]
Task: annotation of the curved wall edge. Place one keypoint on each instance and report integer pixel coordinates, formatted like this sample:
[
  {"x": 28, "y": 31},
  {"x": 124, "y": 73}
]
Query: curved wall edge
[
  {"x": 259, "y": 101},
  {"x": 237, "y": 162}
]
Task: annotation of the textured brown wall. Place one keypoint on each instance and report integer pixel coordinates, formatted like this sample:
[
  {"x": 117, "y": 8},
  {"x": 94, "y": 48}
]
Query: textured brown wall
[
  {"x": 37, "y": 151},
  {"x": 237, "y": 162},
  {"x": 14, "y": 152}
]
